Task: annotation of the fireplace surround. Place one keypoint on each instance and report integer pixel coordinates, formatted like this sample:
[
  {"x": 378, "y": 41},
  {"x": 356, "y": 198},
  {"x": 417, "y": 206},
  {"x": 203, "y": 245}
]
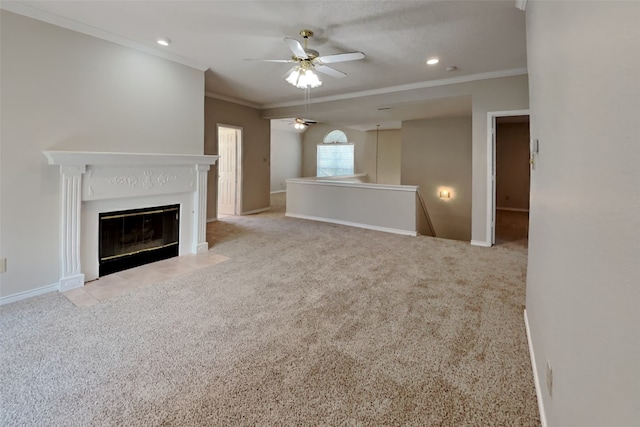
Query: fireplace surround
[{"x": 96, "y": 182}]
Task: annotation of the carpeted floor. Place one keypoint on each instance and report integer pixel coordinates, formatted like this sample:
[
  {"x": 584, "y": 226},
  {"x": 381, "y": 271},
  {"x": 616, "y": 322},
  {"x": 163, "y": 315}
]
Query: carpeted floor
[
  {"x": 512, "y": 226},
  {"x": 307, "y": 324}
]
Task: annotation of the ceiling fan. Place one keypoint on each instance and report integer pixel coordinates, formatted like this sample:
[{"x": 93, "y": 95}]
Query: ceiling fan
[
  {"x": 300, "y": 124},
  {"x": 309, "y": 60}
]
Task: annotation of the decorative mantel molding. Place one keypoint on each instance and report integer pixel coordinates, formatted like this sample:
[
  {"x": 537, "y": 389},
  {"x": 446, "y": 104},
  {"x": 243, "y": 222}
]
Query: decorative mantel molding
[
  {"x": 97, "y": 158},
  {"x": 98, "y": 176}
]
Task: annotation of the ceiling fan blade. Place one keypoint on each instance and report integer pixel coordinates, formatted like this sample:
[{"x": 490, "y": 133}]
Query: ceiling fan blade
[
  {"x": 324, "y": 69},
  {"x": 340, "y": 57},
  {"x": 296, "y": 47},
  {"x": 270, "y": 60},
  {"x": 305, "y": 122}
]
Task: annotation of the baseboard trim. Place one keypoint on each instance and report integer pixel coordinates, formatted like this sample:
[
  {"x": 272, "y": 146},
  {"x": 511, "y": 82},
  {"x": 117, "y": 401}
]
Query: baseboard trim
[
  {"x": 536, "y": 377},
  {"x": 481, "y": 243},
  {"x": 512, "y": 209},
  {"x": 28, "y": 294},
  {"x": 71, "y": 282},
  {"x": 278, "y": 191},
  {"x": 211, "y": 220},
  {"x": 354, "y": 224},
  {"x": 255, "y": 211}
]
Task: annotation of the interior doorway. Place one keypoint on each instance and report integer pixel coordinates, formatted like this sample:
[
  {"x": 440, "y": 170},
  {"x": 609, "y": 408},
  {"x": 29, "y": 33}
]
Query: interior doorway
[
  {"x": 229, "y": 170},
  {"x": 509, "y": 172}
]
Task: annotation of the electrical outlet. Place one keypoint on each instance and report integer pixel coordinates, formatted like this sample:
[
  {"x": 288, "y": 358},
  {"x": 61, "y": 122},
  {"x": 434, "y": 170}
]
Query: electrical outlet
[
  {"x": 3, "y": 265},
  {"x": 549, "y": 378}
]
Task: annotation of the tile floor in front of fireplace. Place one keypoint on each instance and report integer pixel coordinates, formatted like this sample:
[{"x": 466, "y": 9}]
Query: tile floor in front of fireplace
[{"x": 115, "y": 284}]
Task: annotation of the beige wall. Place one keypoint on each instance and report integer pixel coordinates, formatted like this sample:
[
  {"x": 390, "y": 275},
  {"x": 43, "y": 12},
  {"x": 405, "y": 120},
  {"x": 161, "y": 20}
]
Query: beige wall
[
  {"x": 436, "y": 153},
  {"x": 512, "y": 165},
  {"x": 256, "y": 134},
  {"x": 583, "y": 276},
  {"x": 286, "y": 157},
  {"x": 389, "y": 147},
  {"x": 364, "y": 157},
  {"x": 63, "y": 90}
]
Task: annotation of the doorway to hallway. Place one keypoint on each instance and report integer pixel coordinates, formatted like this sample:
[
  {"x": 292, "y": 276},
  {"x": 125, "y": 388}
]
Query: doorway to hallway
[
  {"x": 510, "y": 172},
  {"x": 229, "y": 170}
]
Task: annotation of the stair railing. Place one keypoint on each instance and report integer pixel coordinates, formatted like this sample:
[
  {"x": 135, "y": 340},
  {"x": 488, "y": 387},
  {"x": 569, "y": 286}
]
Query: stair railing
[{"x": 426, "y": 213}]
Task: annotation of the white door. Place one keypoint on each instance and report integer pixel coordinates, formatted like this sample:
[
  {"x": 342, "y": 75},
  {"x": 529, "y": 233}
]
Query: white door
[
  {"x": 494, "y": 131},
  {"x": 227, "y": 171}
]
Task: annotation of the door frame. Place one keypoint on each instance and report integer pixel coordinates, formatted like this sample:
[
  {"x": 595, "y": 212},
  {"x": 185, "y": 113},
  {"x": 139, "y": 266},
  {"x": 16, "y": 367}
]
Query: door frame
[
  {"x": 237, "y": 210},
  {"x": 491, "y": 168}
]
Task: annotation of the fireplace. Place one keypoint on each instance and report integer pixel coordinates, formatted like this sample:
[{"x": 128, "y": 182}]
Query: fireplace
[
  {"x": 96, "y": 183},
  {"x": 135, "y": 237}
]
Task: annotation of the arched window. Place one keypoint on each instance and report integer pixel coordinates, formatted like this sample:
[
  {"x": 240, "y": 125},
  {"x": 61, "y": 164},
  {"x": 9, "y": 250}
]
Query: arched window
[
  {"x": 335, "y": 137},
  {"x": 335, "y": 155}
]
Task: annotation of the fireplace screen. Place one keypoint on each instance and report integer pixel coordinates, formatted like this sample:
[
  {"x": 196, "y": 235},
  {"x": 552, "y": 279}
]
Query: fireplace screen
[{"x": 136, "y": 237}]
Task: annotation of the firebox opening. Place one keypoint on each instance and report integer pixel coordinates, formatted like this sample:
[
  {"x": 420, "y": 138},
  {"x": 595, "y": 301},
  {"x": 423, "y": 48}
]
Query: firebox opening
[{"x": 135, "y": 237}]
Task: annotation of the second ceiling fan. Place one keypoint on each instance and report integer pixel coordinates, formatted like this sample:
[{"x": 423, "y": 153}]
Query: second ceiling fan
[{"x": 300, "y": 124}]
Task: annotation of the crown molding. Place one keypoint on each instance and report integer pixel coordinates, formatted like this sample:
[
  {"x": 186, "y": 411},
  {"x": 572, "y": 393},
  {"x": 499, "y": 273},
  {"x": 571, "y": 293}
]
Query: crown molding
[
  {"x": 232, "y": 100},
  {"x": 69, "y": 24},
  {"x": 410, "y": 86}
]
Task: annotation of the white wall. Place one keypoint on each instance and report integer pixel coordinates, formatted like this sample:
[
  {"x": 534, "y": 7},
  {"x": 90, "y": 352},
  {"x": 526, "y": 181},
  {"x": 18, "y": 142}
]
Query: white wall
[
  {"x": 286, "y": 157},
  {"x": 583, "y": 279},
  {"x": 68, "y": 91},
  {"x": 390, "y": 208}
]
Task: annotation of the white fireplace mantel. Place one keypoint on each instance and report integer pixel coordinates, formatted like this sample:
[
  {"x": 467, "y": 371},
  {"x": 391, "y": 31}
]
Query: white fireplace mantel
[
  {"x": 85, "y": 158},
  {"x": 100, "y": 181}
]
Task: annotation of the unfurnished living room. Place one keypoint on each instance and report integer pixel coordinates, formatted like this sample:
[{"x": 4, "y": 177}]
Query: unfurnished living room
[{"x": 367, "y": 213}]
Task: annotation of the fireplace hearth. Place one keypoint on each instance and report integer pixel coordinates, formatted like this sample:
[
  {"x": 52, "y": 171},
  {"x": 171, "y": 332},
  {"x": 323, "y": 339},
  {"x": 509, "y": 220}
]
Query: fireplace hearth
[{"x": 135, "y": 237}]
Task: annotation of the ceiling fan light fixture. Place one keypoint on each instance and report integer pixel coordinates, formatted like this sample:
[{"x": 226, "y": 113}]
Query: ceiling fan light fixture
[
  {"x": 303, "y": 77},
  {"x": 293, "y": 77},
  {"x": 311, "y": 79},
  {"x": 298, "y": 126}
]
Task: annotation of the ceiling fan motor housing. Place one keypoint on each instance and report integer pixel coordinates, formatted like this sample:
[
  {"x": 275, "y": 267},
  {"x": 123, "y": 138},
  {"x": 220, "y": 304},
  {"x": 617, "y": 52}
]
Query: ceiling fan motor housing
[
  {"x": 312, "y": 54},
  {"x": 306, "y": 33}
]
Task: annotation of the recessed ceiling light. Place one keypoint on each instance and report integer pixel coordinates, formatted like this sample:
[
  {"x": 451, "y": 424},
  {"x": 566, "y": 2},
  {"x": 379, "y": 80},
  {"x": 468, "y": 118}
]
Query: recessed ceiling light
[
  {"x": 432, "y": 61},
  {"x": 163, "y": 41}
]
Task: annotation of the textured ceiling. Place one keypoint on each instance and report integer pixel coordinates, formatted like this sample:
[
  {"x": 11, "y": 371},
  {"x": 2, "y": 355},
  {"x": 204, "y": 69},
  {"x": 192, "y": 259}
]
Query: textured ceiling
[{"x": 396, "y": 36}]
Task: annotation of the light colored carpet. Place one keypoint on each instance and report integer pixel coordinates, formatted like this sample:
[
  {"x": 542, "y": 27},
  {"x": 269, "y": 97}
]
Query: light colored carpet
[{"x": 307, "y": 324}]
